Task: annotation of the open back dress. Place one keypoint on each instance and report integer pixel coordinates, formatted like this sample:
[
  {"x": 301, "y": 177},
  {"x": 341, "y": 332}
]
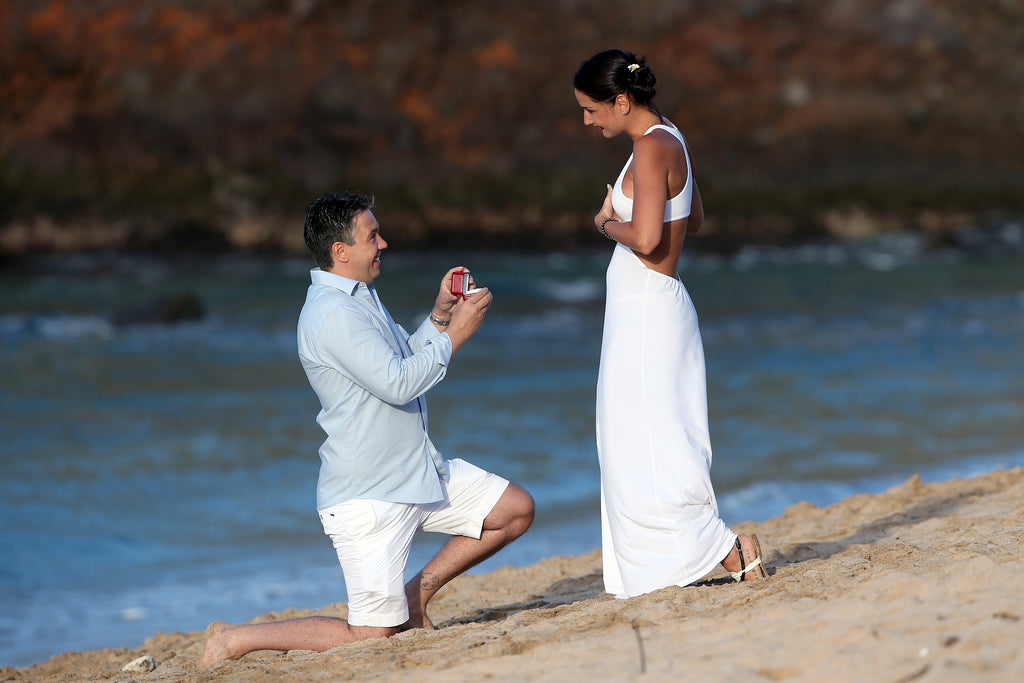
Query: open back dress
[{"x": 659, "y": 515}]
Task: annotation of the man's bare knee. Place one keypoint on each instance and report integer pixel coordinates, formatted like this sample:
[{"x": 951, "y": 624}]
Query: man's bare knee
[{"x": 513, "y": 512}]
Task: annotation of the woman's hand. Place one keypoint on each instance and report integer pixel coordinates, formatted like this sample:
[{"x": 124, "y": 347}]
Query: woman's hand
[{"x": 607, "y": 210}]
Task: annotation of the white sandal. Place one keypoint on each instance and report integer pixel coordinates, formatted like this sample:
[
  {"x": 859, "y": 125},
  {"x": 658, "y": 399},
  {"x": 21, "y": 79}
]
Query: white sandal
[{"x": 744, "y": 567}]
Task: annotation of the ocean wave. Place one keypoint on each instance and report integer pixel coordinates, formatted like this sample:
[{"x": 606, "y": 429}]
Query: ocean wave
[
  {"x": 883, "y": 253},
  {"x": 54, "y": 327},
  {"x": 766, "y": 499},
  {"x": 573, "y": 291},
  {"x": 215, "y": 334}
]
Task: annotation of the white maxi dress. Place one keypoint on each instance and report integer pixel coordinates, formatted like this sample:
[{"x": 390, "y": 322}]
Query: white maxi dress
[{"x": 659, "y": 516}]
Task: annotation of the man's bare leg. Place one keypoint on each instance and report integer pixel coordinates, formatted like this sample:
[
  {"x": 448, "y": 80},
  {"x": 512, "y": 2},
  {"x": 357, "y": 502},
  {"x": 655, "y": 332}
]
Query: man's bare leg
[
  {"x": 231, "y": 641},
  {"x": 510, "y": 518},
  {"x": 507, "y": 521}
]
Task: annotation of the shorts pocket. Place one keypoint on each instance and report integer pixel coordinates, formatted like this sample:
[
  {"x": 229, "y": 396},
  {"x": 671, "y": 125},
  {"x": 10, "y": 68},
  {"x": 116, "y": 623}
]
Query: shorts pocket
[{"x": 351, "y": 519}]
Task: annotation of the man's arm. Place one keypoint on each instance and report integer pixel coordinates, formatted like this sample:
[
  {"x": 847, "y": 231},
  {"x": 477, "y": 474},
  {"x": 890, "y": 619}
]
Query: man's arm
[
  {"x": 457, "y": 317},
  {"x": 353, "y": 344}
]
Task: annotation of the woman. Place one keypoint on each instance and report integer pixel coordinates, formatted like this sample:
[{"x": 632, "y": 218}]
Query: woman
[{"x": 660, "y": 523}]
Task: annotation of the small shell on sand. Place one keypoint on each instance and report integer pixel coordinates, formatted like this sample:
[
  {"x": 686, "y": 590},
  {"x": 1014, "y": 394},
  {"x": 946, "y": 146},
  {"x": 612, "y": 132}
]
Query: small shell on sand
[{"x": 143, "y": 664}]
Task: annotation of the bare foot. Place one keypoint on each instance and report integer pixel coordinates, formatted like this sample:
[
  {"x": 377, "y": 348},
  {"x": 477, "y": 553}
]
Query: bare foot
[
  {"x": 753, "y": 561},
  {"x": 417, "y": 613},
  {"x": 749, "y": 567},
  {"x": 422, "y": 621},
  {"x": 216, "y": 649}
]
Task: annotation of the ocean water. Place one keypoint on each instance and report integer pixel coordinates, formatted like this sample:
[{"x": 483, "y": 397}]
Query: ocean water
[{"x": 159, "y": 476}]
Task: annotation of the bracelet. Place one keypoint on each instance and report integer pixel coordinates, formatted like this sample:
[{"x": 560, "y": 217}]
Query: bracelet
[
  {"x": 601, "y": 228},
  {"x": 438, "y": 321}
]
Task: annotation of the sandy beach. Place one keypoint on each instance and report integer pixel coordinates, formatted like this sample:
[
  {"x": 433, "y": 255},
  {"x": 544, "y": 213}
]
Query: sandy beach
[{"x": 920, "y": 583}]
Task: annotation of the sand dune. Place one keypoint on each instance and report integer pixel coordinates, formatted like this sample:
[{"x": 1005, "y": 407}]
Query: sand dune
[{"x": 921, "y": 583}]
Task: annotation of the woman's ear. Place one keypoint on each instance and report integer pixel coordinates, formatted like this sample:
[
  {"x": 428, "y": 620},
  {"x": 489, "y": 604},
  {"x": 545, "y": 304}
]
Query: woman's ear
[{"x": 622, "y": 104}]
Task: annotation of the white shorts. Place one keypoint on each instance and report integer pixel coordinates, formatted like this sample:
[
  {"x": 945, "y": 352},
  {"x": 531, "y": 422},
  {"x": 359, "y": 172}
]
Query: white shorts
[{"x": 373, "y": 539}]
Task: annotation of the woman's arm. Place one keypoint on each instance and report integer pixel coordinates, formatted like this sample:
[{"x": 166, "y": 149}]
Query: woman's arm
[{"x": 652, "y": 158}]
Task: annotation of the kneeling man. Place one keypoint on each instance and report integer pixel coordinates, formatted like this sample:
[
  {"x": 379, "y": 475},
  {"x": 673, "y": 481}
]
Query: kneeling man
[{"x": 381, "y": 479}]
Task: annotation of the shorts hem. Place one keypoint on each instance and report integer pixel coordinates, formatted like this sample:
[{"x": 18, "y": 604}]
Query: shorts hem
[
  {"x": 496, "y": 494},
  {"x": 377, "y": 620}
]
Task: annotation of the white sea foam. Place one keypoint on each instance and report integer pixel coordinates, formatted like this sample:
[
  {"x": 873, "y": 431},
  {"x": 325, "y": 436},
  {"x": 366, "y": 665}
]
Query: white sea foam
[
  {"x": 54, "y": 327},
  {"x": 770, "y": 498},
  {"x": 573, "y": 291}
]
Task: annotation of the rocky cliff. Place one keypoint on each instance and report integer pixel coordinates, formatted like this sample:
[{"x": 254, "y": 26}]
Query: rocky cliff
[{"x": 211, "y": 125}]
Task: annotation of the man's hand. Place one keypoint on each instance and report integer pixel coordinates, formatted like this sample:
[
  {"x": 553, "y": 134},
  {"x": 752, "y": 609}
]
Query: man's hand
[
  {"x": 445, "y": 299},
  {"x": 464, "y": 316},
  {"x": 467, "y": 316}
]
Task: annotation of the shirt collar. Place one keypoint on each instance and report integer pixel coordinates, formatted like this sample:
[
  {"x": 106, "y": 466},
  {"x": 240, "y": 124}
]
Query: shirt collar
[{"x": 347, "y": 285}]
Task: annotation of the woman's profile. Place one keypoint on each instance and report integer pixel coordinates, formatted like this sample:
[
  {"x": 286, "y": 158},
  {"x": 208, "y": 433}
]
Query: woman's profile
[{"x": 660, "y": 522}]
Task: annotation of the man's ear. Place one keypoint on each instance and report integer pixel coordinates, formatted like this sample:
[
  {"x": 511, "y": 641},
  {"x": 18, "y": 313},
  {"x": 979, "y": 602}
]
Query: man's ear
[{"x": 339, "y": 252}]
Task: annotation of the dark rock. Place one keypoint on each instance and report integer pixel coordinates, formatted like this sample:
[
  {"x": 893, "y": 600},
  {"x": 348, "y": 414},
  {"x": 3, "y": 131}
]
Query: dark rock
[{"x": 173, "y": 308}]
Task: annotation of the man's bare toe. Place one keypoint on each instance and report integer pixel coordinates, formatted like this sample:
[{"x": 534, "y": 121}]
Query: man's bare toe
[{"x": 216, "y": 648}]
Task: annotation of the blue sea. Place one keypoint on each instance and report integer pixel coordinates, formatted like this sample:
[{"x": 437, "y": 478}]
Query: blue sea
[{"x": 158, "y": 476}]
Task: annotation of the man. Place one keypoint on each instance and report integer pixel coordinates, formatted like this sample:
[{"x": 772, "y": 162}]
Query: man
[{"x": 381, "y": 479}]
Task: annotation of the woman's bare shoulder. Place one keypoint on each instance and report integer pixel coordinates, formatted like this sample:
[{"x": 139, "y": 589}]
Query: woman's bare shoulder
[{"x": 658, "y": 144}]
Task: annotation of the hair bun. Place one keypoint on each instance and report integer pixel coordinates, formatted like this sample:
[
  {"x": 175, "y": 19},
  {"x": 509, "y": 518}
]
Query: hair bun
[
  {"x": 613, "y": 72},
  {"x": 641, "y": 82}
]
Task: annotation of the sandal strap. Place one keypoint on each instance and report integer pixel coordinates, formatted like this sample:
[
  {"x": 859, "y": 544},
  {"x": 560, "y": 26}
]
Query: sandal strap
[{"x": 738, "y": 576}]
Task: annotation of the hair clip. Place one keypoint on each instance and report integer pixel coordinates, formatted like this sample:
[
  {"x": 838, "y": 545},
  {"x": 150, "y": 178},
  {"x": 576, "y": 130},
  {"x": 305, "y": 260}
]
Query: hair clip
[{"x": 633, "y": 67}]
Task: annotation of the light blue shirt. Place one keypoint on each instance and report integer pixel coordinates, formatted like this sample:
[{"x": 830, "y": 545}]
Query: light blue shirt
[{"x": 370, "y": 376}]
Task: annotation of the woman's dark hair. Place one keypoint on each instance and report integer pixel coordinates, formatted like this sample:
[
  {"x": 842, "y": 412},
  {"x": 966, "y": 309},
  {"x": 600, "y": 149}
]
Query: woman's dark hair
[
  {"x": 332, "y": 218},
  {"x": 607, "y": 75}
]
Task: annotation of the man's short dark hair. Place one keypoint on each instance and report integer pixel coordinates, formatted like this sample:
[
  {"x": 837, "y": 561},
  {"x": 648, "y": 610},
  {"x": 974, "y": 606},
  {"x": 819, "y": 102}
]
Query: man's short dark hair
[{"x": 331, "y": 218}]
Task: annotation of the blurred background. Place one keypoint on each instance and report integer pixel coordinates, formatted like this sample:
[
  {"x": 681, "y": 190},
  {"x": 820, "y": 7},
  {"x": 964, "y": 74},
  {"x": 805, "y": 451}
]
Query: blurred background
[
  {"x": 859, "y": 279},
  {"x": 183, "y": 123}
]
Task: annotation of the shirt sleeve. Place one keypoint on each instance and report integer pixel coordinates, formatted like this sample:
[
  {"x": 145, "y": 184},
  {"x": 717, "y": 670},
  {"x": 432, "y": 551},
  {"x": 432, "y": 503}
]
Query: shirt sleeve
[
  {"x": 425, "y": 334},
  {"x": 353, "y": 343}
]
